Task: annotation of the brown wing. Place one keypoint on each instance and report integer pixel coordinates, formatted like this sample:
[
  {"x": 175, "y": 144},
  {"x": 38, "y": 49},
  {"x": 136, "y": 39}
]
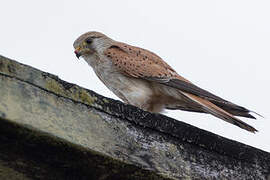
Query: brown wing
[
  {"x": 140, "y": 63},
  {"x": 137, "y": 62}
]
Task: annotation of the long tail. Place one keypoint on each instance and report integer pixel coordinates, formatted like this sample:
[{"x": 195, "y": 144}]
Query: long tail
[
  {"x": 234, "y": 109},
  {"x": 211, "y": 108}
]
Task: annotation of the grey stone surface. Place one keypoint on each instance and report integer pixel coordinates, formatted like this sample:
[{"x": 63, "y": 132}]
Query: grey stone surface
[{"x": 51, "y": 129}]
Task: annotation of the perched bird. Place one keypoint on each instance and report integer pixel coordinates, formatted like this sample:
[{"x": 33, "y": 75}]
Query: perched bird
[{"x": 141, "y": 78}]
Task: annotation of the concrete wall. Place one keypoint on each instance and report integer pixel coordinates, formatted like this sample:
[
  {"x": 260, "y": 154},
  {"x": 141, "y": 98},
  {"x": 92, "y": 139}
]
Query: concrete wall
[{"x": 51, "y": 129}]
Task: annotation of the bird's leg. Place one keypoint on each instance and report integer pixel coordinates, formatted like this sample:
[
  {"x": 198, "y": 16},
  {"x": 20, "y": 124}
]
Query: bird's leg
[{"x": 152, "y": 105}]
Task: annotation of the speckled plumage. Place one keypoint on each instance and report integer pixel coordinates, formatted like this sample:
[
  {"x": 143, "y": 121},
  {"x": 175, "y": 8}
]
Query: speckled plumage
[{"x": 141, "y": 78}]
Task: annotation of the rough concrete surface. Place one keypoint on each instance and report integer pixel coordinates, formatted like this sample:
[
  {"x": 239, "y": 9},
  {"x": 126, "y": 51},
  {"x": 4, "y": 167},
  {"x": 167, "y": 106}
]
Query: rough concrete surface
[{"x": 51, "y": 129}]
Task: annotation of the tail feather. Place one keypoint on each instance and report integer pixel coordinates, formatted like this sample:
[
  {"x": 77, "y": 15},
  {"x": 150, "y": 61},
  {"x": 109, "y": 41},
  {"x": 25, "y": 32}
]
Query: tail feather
[
  {"x": 233, "y": 109},
  {"x": 220, "y": 113}
]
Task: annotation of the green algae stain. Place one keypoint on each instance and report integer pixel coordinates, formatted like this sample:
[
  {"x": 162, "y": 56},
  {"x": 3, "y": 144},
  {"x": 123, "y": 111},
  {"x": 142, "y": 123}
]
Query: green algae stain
[
  {"x": 55, "y": 87},
  {"x": 76, "y": 94},
  {"x": 105, "y": 100},
  {"x": 86, "y": 98},
  {"x": 8, "y": 67}
]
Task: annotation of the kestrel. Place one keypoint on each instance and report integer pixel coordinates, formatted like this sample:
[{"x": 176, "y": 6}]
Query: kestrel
[{"x": 141, "y": 78}]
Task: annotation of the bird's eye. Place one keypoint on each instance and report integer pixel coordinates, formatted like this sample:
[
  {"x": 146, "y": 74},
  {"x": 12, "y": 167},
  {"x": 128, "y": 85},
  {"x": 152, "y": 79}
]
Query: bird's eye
[{"x": 89, "y": 40}]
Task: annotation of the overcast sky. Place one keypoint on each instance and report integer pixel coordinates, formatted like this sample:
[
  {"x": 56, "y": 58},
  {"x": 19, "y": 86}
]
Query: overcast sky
[{"x": 221, "y": 46}]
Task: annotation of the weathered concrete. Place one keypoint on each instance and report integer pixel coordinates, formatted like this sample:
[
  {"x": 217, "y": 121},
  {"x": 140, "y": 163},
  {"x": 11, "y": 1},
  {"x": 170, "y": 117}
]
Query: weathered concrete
[{"x": 51, "y": 129}]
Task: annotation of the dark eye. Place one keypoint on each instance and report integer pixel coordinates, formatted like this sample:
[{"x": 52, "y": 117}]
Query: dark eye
[{"x": 89, "y": 40}]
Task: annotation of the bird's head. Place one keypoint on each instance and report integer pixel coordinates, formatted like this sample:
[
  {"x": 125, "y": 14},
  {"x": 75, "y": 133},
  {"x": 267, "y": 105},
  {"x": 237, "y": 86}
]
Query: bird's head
[{"x": 91, "y": 43}]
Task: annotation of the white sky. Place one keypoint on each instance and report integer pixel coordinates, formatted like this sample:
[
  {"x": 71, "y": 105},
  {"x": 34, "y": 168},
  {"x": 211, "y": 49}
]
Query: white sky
[{"x": 221, "y": 46}]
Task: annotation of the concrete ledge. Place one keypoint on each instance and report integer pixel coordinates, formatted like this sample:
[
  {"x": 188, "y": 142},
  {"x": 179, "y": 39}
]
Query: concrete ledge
[{"x": 51, "y": 129}]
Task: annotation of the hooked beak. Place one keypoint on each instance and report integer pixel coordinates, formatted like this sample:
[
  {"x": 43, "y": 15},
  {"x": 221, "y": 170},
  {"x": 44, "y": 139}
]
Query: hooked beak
[{"x": 77, "y": 52}]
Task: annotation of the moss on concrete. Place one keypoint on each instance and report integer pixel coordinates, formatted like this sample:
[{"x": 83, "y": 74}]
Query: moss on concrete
[{"x": 52, "y": 85}]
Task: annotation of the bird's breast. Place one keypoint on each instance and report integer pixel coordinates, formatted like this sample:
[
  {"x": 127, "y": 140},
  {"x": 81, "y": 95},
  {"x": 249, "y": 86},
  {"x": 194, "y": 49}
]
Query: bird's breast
[{"x": 131, "y": 90}]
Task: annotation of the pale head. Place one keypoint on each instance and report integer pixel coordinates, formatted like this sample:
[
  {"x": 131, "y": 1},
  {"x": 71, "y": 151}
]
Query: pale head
[{"x": 90, "y": 43}]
